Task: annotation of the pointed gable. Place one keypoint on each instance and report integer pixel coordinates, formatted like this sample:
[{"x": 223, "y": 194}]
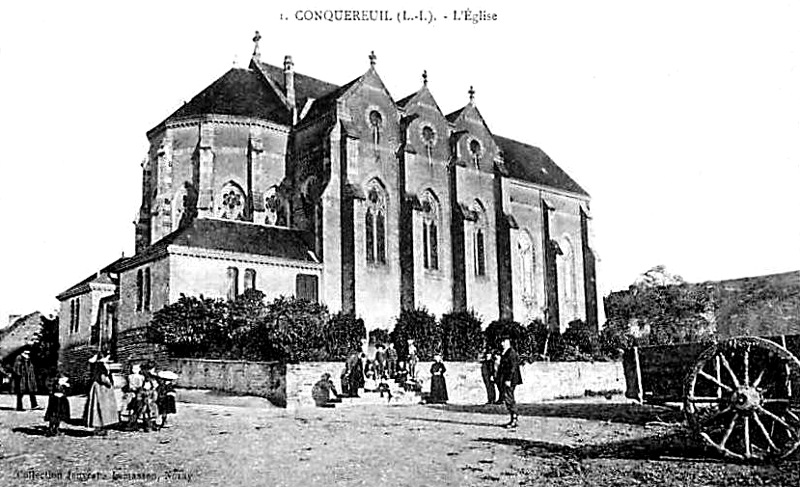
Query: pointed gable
[{"x": 476, "y": 142}]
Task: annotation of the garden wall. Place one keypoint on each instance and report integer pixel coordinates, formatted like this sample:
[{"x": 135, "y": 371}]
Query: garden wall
[
  {"x": 265, "y": 379},
  {"x": 541, "y": 380}
]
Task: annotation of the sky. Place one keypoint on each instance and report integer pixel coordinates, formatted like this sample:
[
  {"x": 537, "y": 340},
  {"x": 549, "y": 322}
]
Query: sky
[{"x": 680, "y": 118}]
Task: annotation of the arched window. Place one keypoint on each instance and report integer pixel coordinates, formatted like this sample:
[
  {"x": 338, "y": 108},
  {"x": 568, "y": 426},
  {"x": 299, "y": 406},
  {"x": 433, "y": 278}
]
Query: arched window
[
  {"x": 430, "y": 231},
  {"x": 139, "y": 289},
  {"x": 375, "y": 122},
  {"x": 565, "y": 267},
  {"x": 77, "y": 315},
  {"x": 369, "y": 232},
  {"x": 527, "y": 266},
  {"x": 147, "y": 289},
  {"x": 233, "y": 283},
  {"x": 475, "y": 151},
  {"x": 375, "y": 224},
  {"x": 231, "y": 202},
  {"x": 249, "y": 279},
  {"x": 480, "y": 240}
]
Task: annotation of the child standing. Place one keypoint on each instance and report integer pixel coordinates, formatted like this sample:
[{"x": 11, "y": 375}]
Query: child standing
[
  {"x": 166, "y": 395},
  {"x": 132, "y": 389},
  {"x": 57, "y": 405}
]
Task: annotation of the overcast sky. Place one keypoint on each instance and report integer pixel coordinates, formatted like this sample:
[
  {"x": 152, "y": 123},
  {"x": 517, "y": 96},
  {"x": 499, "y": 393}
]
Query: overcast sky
[{"x": 680, "y": 118}]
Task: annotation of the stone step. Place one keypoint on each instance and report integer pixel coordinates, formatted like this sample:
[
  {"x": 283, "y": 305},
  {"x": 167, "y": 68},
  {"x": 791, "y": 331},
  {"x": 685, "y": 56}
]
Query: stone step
[{"x": 375, "y": 399}]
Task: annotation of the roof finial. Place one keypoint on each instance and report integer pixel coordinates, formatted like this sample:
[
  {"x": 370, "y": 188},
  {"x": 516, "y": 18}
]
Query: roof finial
[
  {"x": 256, "y": 52},
  {"x": 471, "y": 94},
  {"x": 425, "y": 77},
  {"x": 372, "y": 58}
]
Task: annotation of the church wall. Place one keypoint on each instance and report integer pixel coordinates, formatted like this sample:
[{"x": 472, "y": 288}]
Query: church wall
[
  {"x": 481, "y": 290},
  {"x": 88, "y": 315},
  {"x": 565, "y": 226},
  {"x": 524, "y": 205},
  {"x": 196, "y": 273},
  {"x": 377, "y": 285}
]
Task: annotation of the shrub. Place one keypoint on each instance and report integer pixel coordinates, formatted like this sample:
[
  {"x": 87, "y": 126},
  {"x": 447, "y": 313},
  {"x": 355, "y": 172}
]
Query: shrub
[
  {"x": 462, "y": 337},
  {"x": 420, "y": 325},
  {"x": 578, "y": 342},
  {"x": 343, "y": 335},
  {"x": 378, "y": 335},
  {"x": 292, "y": 330},
  {"x": 193, "y": 327},
  {"x": 521, "y": 340}
]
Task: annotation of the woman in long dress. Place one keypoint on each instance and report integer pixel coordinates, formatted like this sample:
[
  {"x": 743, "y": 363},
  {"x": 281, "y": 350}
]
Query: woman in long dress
[
  {"x": 101, "y": 406},
  {"x": 438, "y": 385}
]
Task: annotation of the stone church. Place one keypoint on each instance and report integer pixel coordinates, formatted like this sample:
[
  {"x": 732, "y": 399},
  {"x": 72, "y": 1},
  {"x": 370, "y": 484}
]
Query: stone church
[{"x": 275, "y": 180}]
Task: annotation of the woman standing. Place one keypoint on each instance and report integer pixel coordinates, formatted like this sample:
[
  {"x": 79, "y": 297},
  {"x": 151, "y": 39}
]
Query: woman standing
[
  {"x": 438, "y": 385},
  {"x": 101, "y": 406}
]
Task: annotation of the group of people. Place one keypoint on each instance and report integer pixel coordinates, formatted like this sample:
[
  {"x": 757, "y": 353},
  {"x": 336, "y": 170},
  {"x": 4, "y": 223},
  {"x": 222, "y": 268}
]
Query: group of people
[
  {"x": 501, "y": 375},
  {"x": 145, "y": 396}
]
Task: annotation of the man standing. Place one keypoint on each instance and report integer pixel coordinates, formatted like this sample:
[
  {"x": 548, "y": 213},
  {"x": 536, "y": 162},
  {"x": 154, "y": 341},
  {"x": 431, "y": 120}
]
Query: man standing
[
  {"x": 24, "y": 379},
  {"x": 488, "y": 374},
  {"x": 510, "y": 377},
  {"x": 391, "y": 359}
]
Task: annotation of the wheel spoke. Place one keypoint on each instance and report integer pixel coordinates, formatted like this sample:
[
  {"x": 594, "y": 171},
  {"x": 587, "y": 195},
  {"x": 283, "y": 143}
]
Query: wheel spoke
[
  {"x": 746, "y": 360},
  {"x": 747, "y": 450},
  {"x": 758, "y": 379},
  {"x": 794, "y": 416},
  {"x": 777, "y": 419},
  {"x": 730, "y": 370},
  {"x": 715, "y": 381},
  {"x": 771, "y": 400},
  {"x": 704, "y": 399},
  {"x": 764, "y": 431},
  {"x": 729, "y": 430}
]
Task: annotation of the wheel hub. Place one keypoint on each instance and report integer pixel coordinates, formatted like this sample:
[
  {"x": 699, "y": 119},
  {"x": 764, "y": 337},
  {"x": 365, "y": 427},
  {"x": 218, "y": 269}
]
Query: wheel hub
[{"x": 746, "y": 399}]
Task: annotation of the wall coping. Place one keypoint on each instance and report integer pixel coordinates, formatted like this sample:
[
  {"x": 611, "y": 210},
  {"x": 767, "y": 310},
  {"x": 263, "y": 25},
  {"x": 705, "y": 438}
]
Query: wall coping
[{"x": 226, "y": 361}]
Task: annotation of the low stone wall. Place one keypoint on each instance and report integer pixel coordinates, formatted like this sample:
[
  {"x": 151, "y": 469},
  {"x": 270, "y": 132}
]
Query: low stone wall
[
  {"x": 265, "y": 379},
  {"x": 541, "y": 380}
]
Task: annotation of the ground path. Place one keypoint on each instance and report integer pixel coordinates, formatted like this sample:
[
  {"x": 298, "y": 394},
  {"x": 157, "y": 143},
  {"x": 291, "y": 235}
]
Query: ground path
[{"x": 220, "y": 440}]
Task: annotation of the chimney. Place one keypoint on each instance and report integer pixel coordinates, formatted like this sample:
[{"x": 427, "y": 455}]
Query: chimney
[{"x": 288, "y": 81}]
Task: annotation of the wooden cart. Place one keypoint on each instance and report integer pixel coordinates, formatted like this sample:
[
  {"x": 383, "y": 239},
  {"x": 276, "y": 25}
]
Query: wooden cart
[{"x": 741, "y": 396}]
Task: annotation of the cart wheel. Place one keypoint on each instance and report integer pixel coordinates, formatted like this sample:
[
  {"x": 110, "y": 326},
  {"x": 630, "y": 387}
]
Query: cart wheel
[{"x": 742, "y": 398}]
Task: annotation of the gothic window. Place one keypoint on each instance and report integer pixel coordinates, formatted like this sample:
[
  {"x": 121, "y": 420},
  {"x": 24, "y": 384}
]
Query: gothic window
[
  {"x": 480, "y": 240},
  {"x": 565, "y": 267},
  {"x": 428, "y": 139},
  {"x": 139, "y": 289},
  {"x": 527, "y": 264},
  {"x": 249, "y": 279},
  {"x": 307, "y": 287},
  {"x": 375, "y": 122},
  {"x": 147, "y": 289},
  {"x": 430, "y": 231},
  {"x": 375, "y": 225},
  {"x": 77, "y": 314},
  {"x": 233, "y": 283},
  {"x": 231, "y": 202},
  {"x": 475, "y": 152},
  {"x": 72, "y": 315}
]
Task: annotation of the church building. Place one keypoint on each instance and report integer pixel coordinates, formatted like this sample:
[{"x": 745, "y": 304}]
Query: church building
[{"x": 275, "y": 180}]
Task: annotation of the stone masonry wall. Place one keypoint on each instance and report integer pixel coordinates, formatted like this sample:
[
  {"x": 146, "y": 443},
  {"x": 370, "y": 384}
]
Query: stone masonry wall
[
  {"x": 265, "y": 379},
  {"x": 541, "y": 380}
]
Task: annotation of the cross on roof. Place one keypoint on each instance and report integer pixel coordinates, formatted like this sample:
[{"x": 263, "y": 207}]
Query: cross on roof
[
  {"x": 471, "y": 94},
  {"x": 256, "y": 38},
  {"x": 425, "y": 77},
  {"x": 372, "y": 58}
]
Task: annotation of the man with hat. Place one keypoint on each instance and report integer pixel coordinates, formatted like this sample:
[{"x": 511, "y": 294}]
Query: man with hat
[
  {"x": 508, "y": 374},
  {"x": 24, "y": 379}
]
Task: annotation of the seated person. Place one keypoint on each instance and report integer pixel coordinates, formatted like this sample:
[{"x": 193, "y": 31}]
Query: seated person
[{"x": 322, "y": 390}]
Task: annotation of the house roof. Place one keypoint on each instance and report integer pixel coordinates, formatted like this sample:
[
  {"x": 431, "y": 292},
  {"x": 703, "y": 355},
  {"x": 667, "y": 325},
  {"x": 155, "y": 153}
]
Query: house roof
[
  {"x": 529, "y": 163},
  {"x": 233, "y": 236},
  {"x": 103, "y": 276}
]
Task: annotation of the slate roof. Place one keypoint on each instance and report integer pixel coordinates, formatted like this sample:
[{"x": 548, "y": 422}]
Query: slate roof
[
  {"x": 103, "y": 278},
  {"x": 305, "y": 87},
  {"x": 451, "y": 117},
  {"x": 233, "y": 236},
  {"x": 238, "y": 92},
  {"x": 531, "y": 164}
]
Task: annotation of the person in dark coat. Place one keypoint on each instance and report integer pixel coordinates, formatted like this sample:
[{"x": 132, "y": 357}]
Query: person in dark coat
[
  {"x": 509, "y": 375},
  {"x": 438, "y": 384},
  {"x": 355, "y": 370},
  {"x": 24, "y": 379},
  {"x": 488, "y": 372},
  {"x": 58, "y": 405},
  {"x": 391, "y": 360},
  {"x": 101, "y": 404},
  {"x": 324, "y": 392},
  {"x": 166, "y": 395},
  {"x": 380, "y": 362}
]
